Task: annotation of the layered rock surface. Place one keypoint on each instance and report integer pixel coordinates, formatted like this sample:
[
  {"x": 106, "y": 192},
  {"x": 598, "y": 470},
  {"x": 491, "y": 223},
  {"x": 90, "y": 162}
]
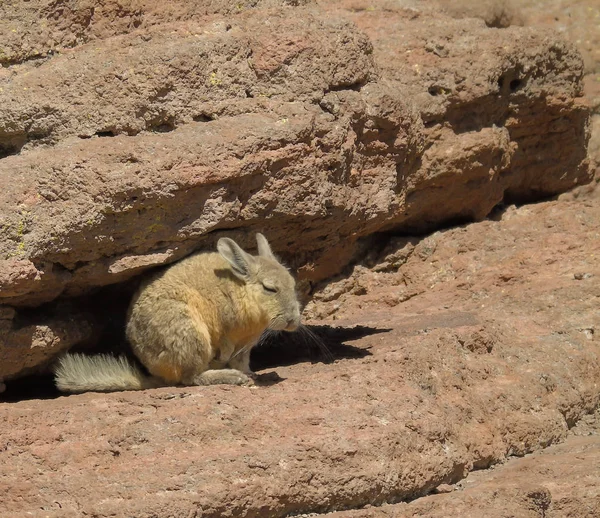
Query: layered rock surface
[
  {"x": 560, "y": 481},
  {"x": 134, "y": 132},
  {"x": 477, "y": 344},
  {"x": 152, "y": 131}
]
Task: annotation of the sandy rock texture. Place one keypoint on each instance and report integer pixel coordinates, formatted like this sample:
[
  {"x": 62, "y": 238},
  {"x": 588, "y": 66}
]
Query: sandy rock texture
[
  {"x": 133, "y": 133},
  {"x": 463, "y": 366},
  {"x": 560, "y": 481},
  {"x": 495, "y": 13},
  {"x": 579, "y": 22},
  {"x": 476, "y": 344},
  {"x": 576, "y": 20}
]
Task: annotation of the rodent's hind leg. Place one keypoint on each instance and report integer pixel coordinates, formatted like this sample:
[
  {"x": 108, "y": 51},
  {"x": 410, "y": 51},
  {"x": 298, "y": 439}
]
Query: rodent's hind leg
[
  {"x": 171, "y": 342},
  {"x": 241, "y": 362},
  {"x": 219, "y": 377}
]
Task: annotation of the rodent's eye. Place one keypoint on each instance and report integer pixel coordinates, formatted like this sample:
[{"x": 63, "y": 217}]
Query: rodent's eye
[{"x": 270, "y": 288}]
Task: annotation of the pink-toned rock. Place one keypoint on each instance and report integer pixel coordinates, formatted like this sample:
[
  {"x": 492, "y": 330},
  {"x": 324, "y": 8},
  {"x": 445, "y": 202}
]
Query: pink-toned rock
[
  {"x": 288, "y": 130},
  {"x": 561, "y": 481},
  {"x": 465, "y": 77},
  {"x": 37, "y": 29},
  {"x": 494, "y": 354},
  {"x": 134, "y": 132},
  {"x": 161, "y": 78},
  {"x": 578, "y": 22},
  {"x": 28, "y": 343}
]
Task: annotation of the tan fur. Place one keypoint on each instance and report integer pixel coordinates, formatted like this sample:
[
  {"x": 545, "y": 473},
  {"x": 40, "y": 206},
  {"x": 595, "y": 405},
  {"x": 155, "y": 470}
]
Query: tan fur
[{"x": 196, "y": 322}]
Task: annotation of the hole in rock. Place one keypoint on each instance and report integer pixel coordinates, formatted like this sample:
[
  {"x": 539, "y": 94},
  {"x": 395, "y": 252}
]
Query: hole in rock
[
  {"x": 355, "y": 86},
  {"x": 108, "y": 133},
  {"x": 7, "y": 150},
  {"x": 498, "y": 211},
  {"x": 514, "y": 85},
  {"x": 508, "y": 83},
  {"x": 436, "y": 90},
  {"x": 35, "y": 386},
  {"x": 164, "y": 128},
  {"x": 202, "y": 117}
]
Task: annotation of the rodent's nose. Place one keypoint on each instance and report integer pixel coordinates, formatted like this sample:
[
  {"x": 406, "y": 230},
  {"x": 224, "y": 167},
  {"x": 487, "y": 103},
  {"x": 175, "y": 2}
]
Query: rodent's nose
[{"x": 293, "y": 323}]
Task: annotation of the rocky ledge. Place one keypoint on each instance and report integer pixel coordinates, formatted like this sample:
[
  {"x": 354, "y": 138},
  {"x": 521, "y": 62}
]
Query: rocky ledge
[
  {"x": 452, "y": 353},
  {"x": 135, "y": 132},
  {"x": 154, "y": 131}
]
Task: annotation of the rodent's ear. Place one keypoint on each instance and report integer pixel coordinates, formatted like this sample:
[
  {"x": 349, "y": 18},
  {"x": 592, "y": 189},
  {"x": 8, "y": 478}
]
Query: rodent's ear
[
  {"x": 240, "y": 261},
  {"x": 264, "y": 249}
]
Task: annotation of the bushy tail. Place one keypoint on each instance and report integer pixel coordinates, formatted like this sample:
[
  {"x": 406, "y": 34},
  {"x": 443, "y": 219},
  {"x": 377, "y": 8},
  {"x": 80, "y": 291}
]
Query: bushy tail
[{"x": 101, "y": 373}]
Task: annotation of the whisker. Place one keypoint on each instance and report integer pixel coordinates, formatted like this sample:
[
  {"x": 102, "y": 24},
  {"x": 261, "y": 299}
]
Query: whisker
[
  {"x": 243, "y": 349},
  {"x": 310, "y": 336},
  {"x": 266, "y": 337},
  {"x": 269, "y": 328},
  {"x": 304, "y": 335}
]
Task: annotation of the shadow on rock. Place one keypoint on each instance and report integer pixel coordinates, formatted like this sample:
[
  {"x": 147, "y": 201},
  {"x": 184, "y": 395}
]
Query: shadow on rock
[
  {"x": 35, "y": 386},
  {"x": 310, "y": 344}
]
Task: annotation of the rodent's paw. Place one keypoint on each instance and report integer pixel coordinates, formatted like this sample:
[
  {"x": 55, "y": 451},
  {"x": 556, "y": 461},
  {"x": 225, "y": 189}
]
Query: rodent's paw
[
  {"x": 241, "y": 379},
  {"x": 222, "y": 377},
  {"x": 234, "y": 377}
]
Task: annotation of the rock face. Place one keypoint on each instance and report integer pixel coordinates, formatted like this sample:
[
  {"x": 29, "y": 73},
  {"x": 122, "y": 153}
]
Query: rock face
[
  {"x": 495, "y": 13},
  {"x": 133, "y": 133},
  {"x": 477, "y": 343},
  {"x": 578, "y": 20},
  {"x": 561, "y": 481}
]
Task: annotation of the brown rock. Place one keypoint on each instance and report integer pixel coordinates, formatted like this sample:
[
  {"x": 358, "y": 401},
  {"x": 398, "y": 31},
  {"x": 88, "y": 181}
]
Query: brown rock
[
  {"x": 134, "y": 132},
  {"x": 29, "y": 343},
  {"x": 578, "y": 21},
  {"x": 558, "y": 482},
  {"x": 318, "y": 152},
  {"x": 495, "y": 13},
  {"x": 159, "y": 79},
  {"x": 37, "y": 29},
  {"x": 86, "y": 219},
  {"x": 494, "y": 359},
  {"x": 466, "y": 78}
]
